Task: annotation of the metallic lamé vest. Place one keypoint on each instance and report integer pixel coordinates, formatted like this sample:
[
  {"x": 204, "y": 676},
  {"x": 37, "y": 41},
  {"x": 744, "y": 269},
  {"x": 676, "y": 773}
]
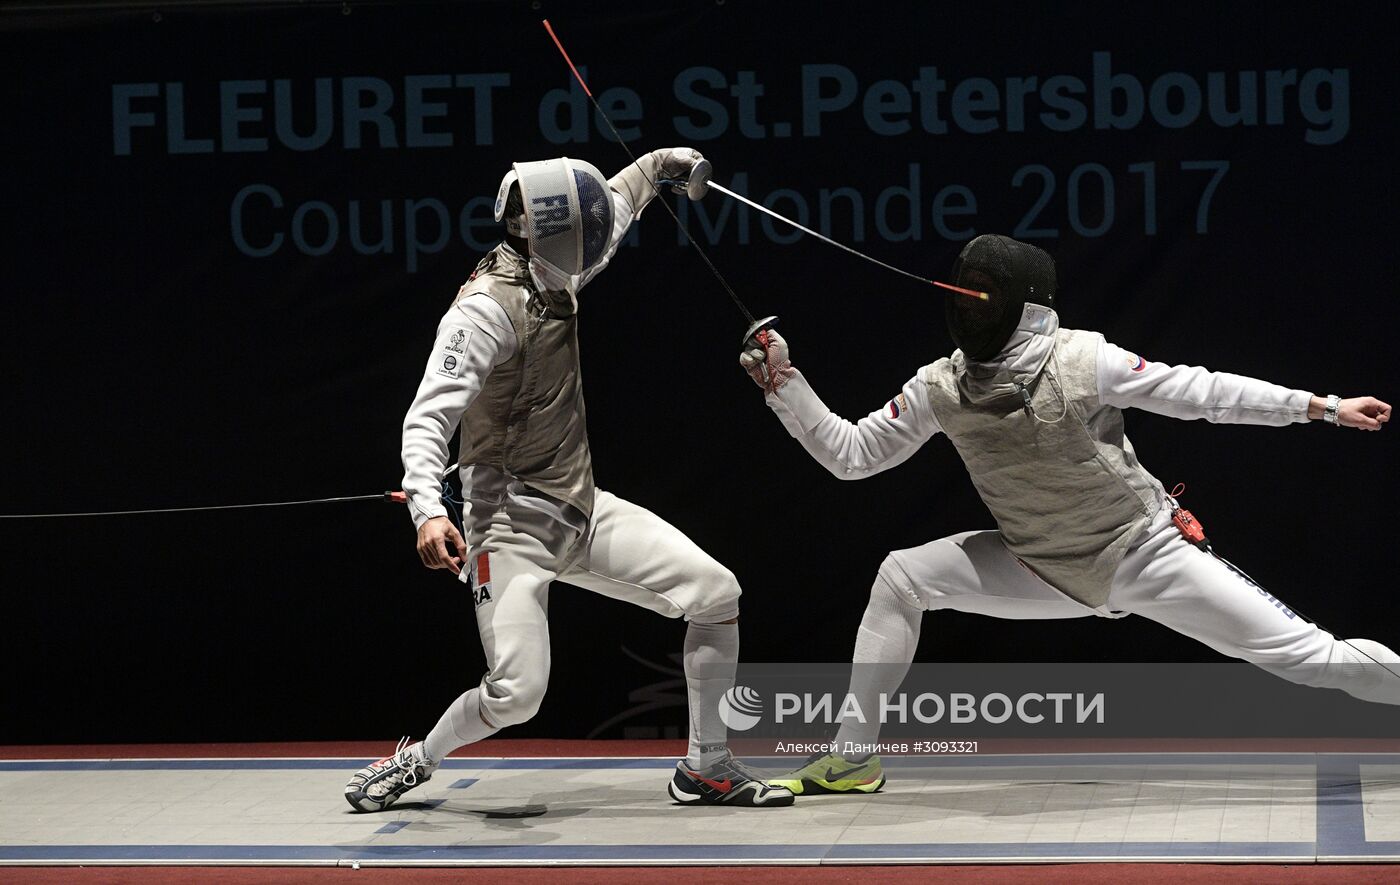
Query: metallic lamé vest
[
  {"x": 528, "y": 421},
  {"x": 1069, "y": 496}
]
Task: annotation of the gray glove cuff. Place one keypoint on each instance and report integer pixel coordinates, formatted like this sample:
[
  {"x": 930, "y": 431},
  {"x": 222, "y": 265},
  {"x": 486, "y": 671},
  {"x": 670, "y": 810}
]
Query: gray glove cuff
[{"x": 638, "y": 182}]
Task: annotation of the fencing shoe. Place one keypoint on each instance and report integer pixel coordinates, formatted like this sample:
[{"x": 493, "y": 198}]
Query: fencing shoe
[
  {"x": 380, "y": 785},
  {"x": 831, "y": 773},
  {"x": 727, "y": 782}
]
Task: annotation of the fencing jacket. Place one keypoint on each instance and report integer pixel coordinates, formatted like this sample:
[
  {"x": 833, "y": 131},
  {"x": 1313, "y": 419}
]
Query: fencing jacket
[
  {"x": 505, "y": 365},
  {"x": 528, "y": 420},
  {"x": 1040, "y": 430}
]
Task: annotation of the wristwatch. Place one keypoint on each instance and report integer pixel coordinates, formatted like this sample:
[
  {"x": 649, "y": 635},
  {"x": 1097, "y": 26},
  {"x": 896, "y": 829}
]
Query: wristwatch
[{"x": 1329, "y": 413}]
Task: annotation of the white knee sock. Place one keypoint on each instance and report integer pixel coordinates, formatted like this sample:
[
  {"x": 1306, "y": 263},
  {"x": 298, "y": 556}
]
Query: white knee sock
[
  {"x": 460, "y": 725},
  {"x": 711, "y": 657},
  {"x": 885, "y": 645}
]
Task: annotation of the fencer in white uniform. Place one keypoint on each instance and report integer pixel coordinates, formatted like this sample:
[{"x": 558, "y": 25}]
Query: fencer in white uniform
[
  {"x": 1035, "y": 412},
  {"x": 505, "y": 367}
]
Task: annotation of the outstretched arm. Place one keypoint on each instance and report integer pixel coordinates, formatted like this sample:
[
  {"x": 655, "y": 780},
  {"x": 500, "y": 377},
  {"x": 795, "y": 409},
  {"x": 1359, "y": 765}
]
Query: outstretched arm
[
  {"x": 636, "y": 185},
  {"x": 879, "y": 441},
  {"x": 638, "y": 182},
  {"x": 1126, "y": 380}
]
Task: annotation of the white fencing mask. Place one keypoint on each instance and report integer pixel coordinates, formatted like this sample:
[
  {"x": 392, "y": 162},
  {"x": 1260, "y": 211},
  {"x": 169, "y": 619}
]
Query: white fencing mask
[{"x": 568, "y": 217}]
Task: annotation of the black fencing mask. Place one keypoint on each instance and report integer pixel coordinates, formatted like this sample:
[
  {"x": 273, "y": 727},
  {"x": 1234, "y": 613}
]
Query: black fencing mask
[{"x": 1012, "y": 273}]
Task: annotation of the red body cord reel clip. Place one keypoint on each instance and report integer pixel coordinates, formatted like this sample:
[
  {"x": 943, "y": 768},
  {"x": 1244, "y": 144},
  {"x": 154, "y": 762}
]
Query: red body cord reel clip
[{"x": 1185, "y": 523}]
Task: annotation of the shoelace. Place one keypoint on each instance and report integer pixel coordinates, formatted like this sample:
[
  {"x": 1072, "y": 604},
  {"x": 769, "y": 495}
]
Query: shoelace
[{"x": 408, "y": 766}]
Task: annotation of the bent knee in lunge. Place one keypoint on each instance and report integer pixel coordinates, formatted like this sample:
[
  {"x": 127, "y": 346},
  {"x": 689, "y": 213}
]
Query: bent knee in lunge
[
  {"x": 513, "y": 698},
  {"x": 892, "y": 585},
  {"x": 715, "y": 598},
  {"x": 889, "y": 628}
]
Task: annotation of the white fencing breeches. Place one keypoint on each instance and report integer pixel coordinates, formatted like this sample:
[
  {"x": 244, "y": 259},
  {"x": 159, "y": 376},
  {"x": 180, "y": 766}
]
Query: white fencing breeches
[
  {"x": 1162, "y": 578},
  {"x": 628, "y": 553}
]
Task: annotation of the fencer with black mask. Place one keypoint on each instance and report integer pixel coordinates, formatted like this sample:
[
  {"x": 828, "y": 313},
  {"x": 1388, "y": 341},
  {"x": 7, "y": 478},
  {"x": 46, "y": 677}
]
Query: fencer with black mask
[
  {"x": 505, "y": 367},
  {"x": 1035, "y": 412}
]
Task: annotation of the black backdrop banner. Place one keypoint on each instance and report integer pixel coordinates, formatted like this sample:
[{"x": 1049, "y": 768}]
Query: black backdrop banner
[{"x": 231, "y": 230}]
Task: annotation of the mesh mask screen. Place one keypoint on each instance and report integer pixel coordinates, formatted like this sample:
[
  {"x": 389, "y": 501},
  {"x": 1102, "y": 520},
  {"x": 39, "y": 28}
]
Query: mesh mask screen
[
  {"x": 595, "y": 216},
  {"x": 980, "y": 327},
  {"x": 1011, "y": 273},
  {"x": 547, "y": 203},
  {"x": 569, "y": 208}
]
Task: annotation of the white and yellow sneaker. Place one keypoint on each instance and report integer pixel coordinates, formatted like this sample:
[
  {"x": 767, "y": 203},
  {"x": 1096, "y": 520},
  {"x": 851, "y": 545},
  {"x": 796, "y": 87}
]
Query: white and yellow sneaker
[{"x": 833, "y": 773}]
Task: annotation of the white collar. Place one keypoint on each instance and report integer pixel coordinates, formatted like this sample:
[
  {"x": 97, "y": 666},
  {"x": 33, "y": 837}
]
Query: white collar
[{"x": 1024, "y": 355}]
